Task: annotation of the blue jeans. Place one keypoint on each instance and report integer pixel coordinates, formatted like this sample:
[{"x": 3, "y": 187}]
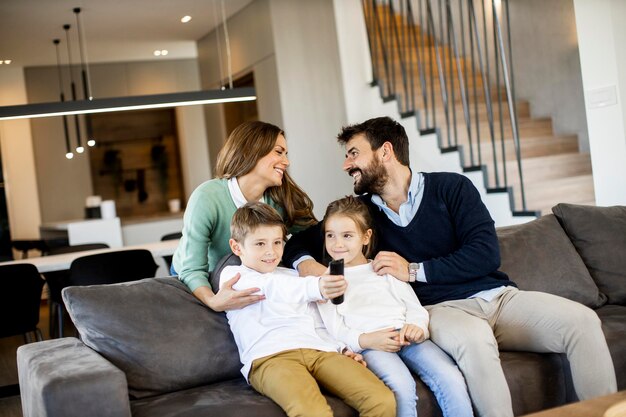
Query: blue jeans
[{"x": 434, "y": 367}]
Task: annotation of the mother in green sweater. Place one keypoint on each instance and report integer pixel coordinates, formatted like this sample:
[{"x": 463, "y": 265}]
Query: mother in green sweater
[{"x": 252, "y": 166}]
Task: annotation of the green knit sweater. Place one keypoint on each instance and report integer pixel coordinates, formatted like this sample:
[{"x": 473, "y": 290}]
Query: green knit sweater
[{"x": 206, "y": 230}]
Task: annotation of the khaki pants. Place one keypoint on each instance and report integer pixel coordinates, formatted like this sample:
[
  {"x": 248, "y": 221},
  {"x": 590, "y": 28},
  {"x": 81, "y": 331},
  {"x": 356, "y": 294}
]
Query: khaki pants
[
  {"x": 472, "y": 330},
  {"x": 291, "y": 378}
]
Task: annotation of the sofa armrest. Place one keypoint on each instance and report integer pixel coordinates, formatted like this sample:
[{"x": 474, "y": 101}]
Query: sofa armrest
[{"x": 64, "y": 377}]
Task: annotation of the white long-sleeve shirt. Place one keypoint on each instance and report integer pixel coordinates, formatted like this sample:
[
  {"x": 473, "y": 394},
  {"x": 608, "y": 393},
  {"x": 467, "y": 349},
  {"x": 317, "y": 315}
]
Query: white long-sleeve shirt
[
  {"x": 283, "y": 321},
  {"x": 372, "y": 302}
]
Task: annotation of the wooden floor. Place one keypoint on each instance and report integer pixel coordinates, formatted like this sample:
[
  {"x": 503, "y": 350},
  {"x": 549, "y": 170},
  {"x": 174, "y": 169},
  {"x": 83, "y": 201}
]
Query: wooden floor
[{"x": 11, "y": 406}]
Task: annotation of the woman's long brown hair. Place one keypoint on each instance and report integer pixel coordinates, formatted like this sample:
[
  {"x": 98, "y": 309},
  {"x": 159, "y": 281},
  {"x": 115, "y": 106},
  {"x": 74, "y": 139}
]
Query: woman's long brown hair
[{"x": 249, "y": 142}]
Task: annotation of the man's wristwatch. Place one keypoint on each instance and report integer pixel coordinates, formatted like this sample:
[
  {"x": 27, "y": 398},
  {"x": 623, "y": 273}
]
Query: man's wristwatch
[{"x": 413, "y": 268}]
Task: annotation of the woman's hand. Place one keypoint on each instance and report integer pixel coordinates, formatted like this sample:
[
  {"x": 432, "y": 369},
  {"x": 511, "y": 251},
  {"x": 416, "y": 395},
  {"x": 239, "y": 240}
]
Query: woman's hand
[
  {"x": 229, "y": 299},
  {"x": 391, "y": 263},
  {"x": 387, "y": 340},
  {"x": 411, "y": 333}
]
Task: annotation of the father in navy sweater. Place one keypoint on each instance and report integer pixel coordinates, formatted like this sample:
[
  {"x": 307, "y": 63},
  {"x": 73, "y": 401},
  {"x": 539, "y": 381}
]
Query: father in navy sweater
[{"x": 433, "y": 231}]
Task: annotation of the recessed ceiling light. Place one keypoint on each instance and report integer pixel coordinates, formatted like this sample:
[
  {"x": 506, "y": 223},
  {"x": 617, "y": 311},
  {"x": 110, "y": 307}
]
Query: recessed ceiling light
[
  {"x": 7, "y": 61},
  {"x": 157, "y": 53},
  {"x": 185, "y": 19},
  {"x": 164, "y": 52}
]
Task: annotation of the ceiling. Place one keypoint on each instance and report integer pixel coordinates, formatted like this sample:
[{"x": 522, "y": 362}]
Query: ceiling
[{"x": 115, "y": 30}]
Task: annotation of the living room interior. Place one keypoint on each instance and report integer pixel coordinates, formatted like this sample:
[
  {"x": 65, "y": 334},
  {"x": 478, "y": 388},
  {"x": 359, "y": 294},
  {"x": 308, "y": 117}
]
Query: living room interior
[{"x": 312, "y": 64}]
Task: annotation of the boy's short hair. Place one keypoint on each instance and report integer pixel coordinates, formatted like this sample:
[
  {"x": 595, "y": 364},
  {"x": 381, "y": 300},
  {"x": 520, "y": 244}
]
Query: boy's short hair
[{"x": 252, "y": 215}]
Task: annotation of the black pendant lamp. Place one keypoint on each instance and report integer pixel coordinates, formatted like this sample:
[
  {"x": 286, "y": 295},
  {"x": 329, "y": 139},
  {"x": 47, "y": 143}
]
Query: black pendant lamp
[
  {"x": 68, "y": 149},
  {"x": 79, "y": 147},
  {"x": 84, "y": 74}
]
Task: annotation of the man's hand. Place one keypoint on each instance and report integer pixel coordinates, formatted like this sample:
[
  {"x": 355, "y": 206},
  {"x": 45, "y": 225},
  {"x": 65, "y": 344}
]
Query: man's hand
[
  {"x": 356, "y": 356},
  {"x": 411, "y": 333},
  {"x": 387, "y": 340},
  {"x": 391, "y": 263},
  {"x": 332, "y": 286},
  {"x": 310, "y": 267},
  {"x": 229, "y": 299}
]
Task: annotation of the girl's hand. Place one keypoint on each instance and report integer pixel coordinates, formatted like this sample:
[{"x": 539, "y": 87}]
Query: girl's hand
[
  {"x": 229, "y": 299},
  {"x": 387, "y": 340},
  {"x": 411, "y": 333},
  {"x": 391, "y": 263},
  {"x": 356, "y": 356},
  {"x": 332, "y": 286}
]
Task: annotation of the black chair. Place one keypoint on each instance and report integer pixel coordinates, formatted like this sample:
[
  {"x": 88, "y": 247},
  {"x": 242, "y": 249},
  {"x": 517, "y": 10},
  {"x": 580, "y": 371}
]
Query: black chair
[
  {"x": 25, "y": 245},
  {"x": 168, "y": 258},
  {"x": 57, "y": 280},
  {"x": 110, "y": 268},
  {"x": 20, "y": 301}
]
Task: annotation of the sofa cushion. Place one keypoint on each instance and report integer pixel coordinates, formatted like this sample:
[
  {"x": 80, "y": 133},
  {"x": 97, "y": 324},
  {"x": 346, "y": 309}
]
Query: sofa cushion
[
  {"x": 538, "y": 256},
  {"x": 225, "y": 399},
  {"x": 157, "y": 332},
  {"x": 599, "y": 235}
]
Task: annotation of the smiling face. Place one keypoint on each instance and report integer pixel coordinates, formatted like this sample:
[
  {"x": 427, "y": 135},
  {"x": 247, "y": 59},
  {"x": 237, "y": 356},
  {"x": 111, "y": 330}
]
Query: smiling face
[
  {"x": 343, "y": 239},
  {"x": 364, "y": 166},
  {"x": 271, "y": 168},
  {"x": 261, "y": 249}
]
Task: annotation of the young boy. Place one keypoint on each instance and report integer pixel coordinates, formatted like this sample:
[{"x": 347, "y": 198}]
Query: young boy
[{"x": 282, "y": 353}]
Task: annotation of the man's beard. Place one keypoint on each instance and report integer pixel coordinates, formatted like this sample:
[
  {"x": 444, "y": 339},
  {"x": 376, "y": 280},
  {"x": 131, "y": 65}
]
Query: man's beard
[{"x": 373, "y": 179}]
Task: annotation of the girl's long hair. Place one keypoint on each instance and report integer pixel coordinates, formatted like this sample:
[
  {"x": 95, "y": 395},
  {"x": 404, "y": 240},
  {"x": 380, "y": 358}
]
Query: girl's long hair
[{"x": 249, "y": 142}]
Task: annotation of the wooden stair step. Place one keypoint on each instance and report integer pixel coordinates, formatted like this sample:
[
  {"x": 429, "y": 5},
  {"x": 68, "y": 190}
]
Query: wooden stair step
[
  {"x": 542, "y": 168},
  {"x": 522, "y": 107},
  {"x": 544, "y": 195},
  {"x": 532, "y": 147},
  {"x": 526, "y": 128}
]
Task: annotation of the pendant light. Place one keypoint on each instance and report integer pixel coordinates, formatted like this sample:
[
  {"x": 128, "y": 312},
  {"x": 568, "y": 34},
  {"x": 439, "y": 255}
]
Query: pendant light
[
  {"x": 68, "y": 149},
  {"x": 79, "y": 147},
  {"x": 84, "y": 74}
]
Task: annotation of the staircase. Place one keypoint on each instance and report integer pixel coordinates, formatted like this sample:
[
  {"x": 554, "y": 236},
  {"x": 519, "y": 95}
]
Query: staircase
[{"x": 424, "y": 75}]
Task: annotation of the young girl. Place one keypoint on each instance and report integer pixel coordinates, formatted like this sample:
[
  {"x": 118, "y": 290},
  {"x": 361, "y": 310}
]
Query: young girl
[{"x": 382, "y": 318}]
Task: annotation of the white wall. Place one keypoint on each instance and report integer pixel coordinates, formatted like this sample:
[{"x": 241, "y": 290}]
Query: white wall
[
  {"x": 311, "y": 96},
  {"x": 601, "y": 28},
  {"x": 18, "y": 161}
]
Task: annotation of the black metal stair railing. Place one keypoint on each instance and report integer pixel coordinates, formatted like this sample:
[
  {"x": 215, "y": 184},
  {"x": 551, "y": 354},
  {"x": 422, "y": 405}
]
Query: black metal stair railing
[{"x": 432, "y": 57}]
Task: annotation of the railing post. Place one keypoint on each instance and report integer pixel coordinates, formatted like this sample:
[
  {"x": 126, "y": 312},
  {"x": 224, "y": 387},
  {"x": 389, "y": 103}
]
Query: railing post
[
  {"x": 507, "y": 83},
  {"x": 440, "y": 70},
  {"x": 462, "y": 85}
]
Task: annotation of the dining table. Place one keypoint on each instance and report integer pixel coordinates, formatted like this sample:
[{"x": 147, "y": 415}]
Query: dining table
[{"x": 63, "y": 261}]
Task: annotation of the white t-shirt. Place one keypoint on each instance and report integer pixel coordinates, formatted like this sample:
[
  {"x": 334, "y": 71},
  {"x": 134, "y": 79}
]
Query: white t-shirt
[
  {"x": 283, "y": 321},
  {"x": 372, "y": 302}
]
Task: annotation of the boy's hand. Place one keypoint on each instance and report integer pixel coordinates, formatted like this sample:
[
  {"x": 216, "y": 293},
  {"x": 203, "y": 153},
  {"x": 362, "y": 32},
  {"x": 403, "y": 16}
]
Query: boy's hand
[
  {"x": 356, "y": 356},
  {"x": 387, "y": 340},
  {"x": 411, "y": 333},
  {"x": 332, "y": 286}
]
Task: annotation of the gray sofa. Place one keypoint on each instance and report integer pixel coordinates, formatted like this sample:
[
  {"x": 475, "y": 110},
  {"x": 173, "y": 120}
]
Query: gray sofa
[{"x": 149, "y": 348}]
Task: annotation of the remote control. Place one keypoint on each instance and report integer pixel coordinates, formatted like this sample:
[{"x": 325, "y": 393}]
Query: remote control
[{"x": 336, "y": 268}]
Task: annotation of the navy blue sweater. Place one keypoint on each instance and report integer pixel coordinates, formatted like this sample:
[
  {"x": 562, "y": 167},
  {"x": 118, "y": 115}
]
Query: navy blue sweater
[{"x": 452, "y": 234}]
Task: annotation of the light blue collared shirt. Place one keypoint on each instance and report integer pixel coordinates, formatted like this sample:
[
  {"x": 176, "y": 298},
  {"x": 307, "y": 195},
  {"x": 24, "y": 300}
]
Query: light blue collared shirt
[{"x": 408, "y": 209}]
